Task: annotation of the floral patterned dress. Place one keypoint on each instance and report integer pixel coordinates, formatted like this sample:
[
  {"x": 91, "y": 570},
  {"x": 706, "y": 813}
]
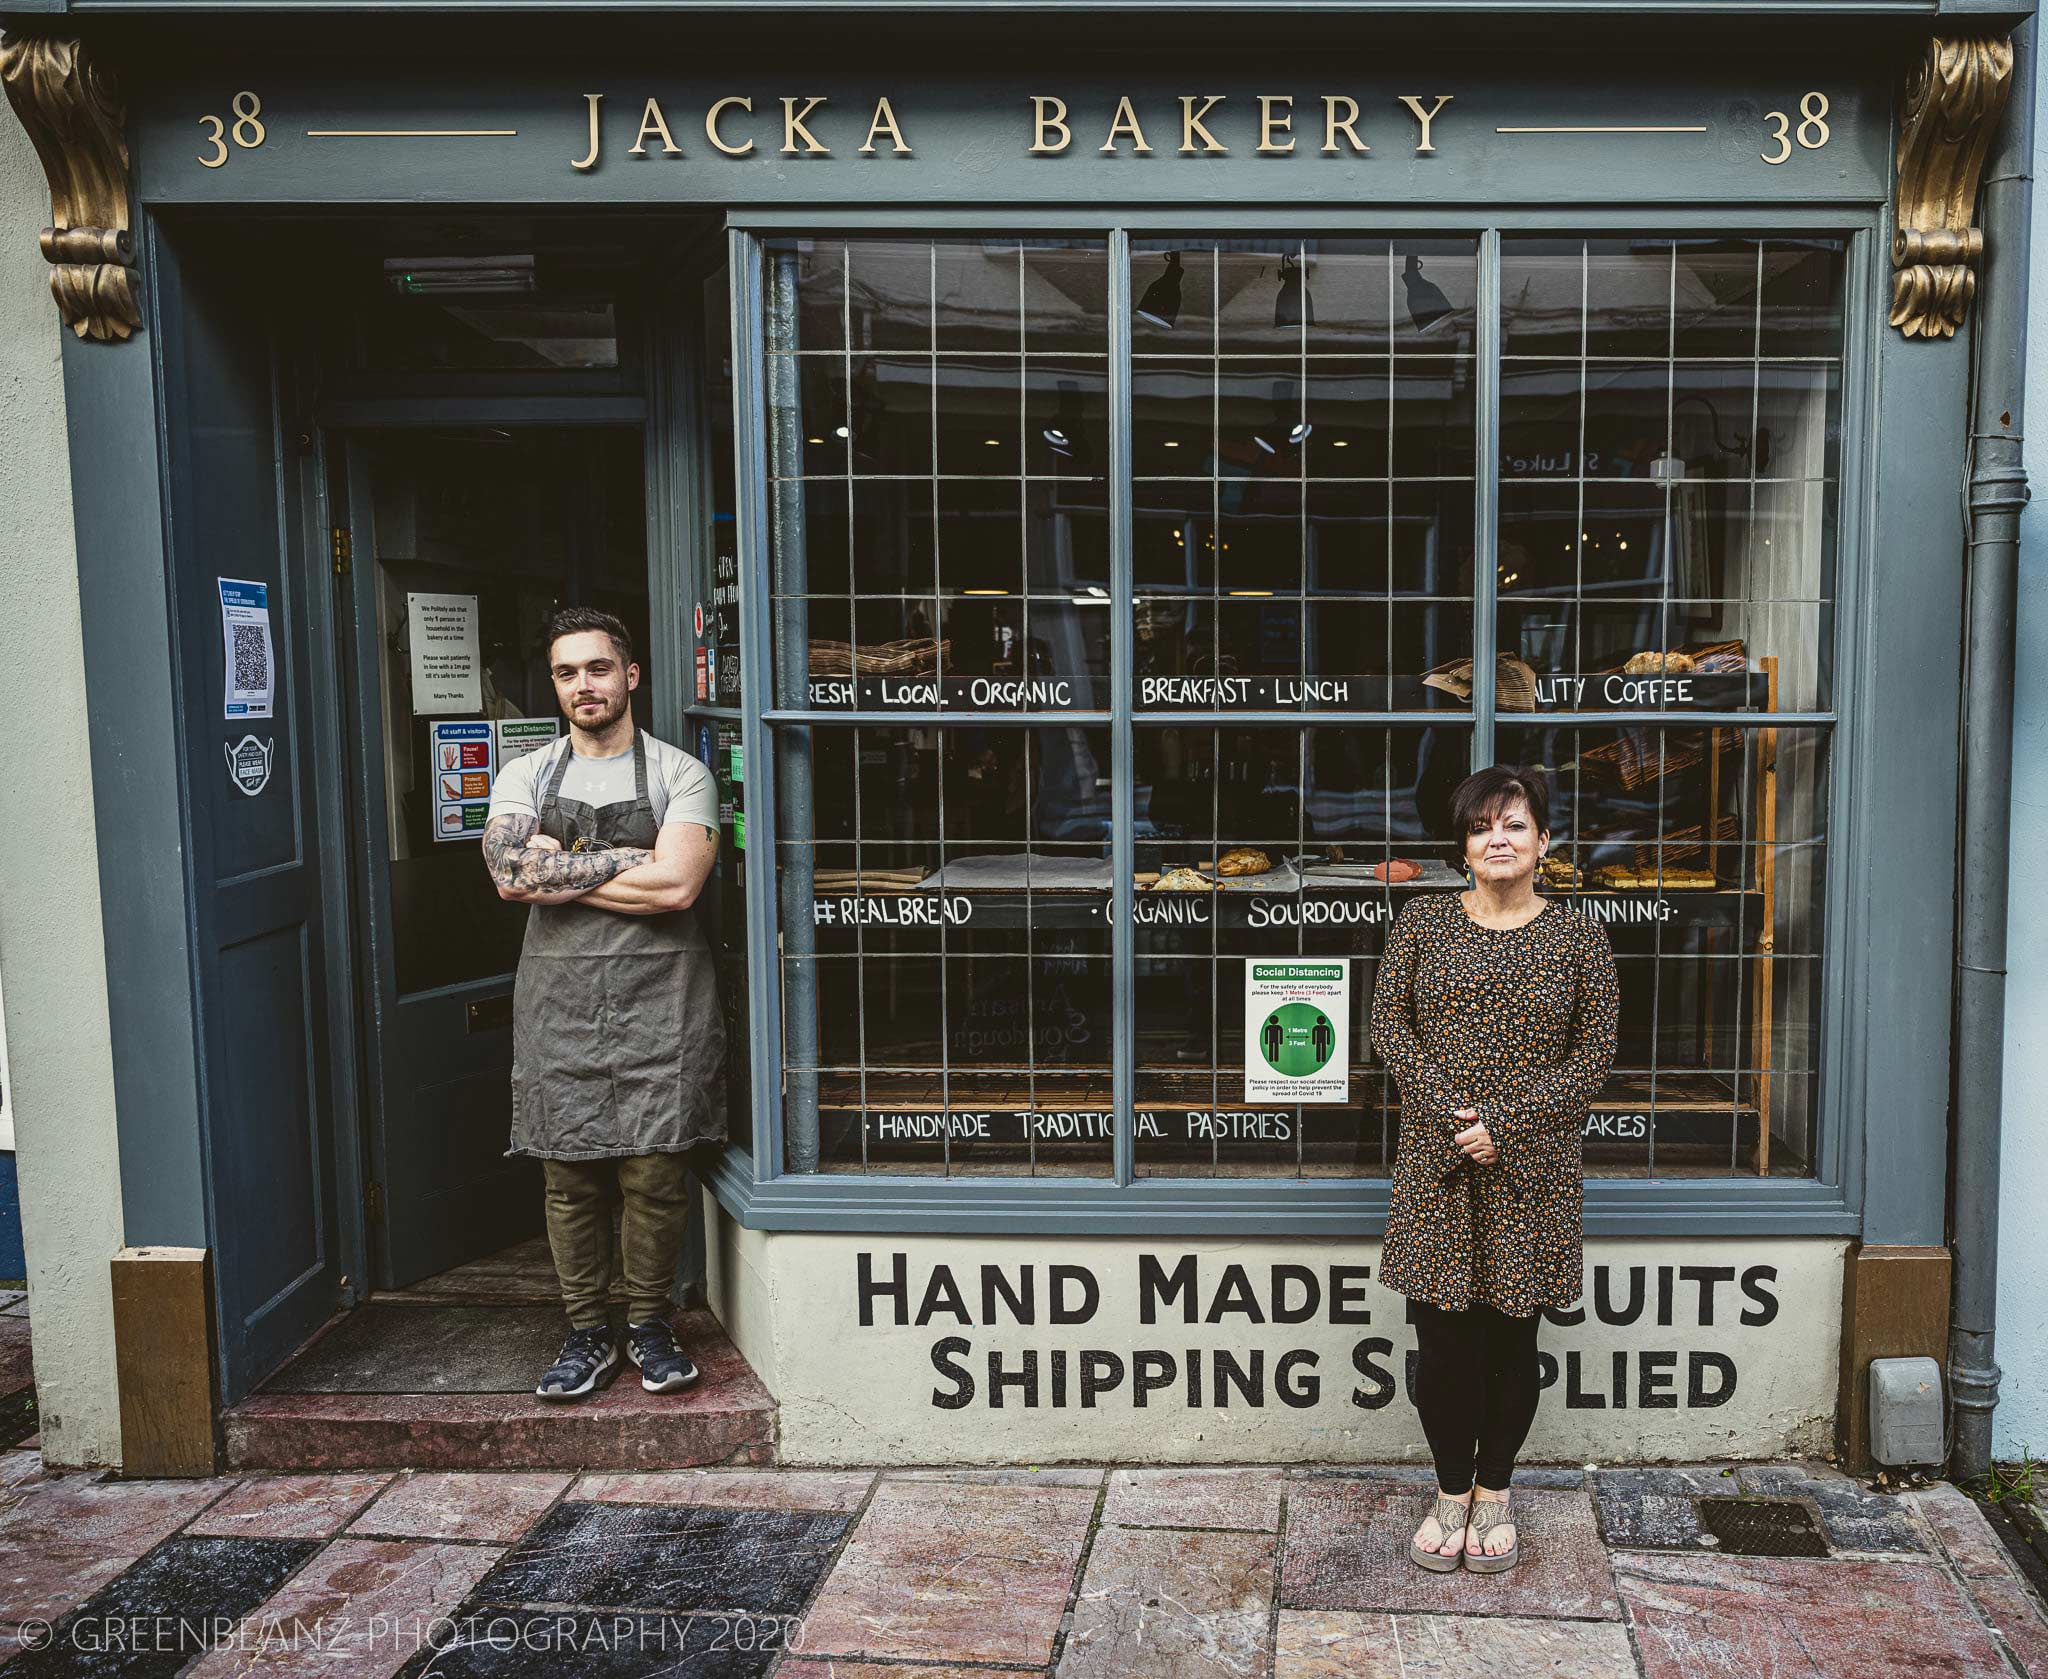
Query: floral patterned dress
[{"x": 1518, "y": 1023}]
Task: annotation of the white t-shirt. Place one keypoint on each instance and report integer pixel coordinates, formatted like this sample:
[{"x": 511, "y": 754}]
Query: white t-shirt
[{"x": 679, "y": 787}]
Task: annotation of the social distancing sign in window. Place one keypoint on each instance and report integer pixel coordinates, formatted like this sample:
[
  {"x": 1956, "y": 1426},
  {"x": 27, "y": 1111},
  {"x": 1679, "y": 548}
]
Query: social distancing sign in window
[{"x": 1295, "y": 1017}]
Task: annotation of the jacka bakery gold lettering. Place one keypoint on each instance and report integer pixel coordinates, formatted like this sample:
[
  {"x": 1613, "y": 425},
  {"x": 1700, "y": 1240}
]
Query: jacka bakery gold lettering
[
  {"x": 1203, "y": 124},
  {"x": 801, "y": 128}
]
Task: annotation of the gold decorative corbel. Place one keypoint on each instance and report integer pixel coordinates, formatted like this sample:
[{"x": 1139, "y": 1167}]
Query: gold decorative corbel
[
  {"x": 72, "y": 110},
  {"x": 1954, "y": 98}
]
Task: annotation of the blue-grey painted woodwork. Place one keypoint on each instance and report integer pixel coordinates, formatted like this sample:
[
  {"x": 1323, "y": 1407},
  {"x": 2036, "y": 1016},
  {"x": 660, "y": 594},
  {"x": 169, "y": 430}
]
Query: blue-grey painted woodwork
[
  {"x": 255, "y": 862},
  {"x": 1889, "y": 916},
  {"x": 971, "y": 136},
  {"x": 139, "y": 746}
]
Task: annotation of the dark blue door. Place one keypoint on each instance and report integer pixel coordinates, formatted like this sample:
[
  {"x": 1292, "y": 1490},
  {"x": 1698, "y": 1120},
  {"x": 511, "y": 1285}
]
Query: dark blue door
[{"x": 258, "y": 847}]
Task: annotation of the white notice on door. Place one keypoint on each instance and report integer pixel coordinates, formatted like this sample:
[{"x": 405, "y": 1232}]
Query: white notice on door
[{"x": 447, "y": 673}]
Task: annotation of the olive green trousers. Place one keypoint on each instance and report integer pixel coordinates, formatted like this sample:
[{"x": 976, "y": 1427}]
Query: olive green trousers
[{"x": 653, "y": 1190}]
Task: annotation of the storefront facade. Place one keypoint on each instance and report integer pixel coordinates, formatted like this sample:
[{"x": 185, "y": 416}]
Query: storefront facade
[{"x": 1088, "y": 500}]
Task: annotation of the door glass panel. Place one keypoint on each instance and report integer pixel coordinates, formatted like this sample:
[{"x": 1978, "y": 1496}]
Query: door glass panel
[{"x": 475, "y": 537}]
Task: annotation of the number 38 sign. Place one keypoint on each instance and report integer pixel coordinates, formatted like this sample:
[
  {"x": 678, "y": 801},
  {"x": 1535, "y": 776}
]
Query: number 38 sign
[{"x": 1811, "y": 131}]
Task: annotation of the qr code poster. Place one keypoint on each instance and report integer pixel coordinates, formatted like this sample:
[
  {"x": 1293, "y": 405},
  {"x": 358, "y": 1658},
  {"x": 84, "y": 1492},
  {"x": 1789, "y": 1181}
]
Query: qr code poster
[{"x": 248, "y": 668}]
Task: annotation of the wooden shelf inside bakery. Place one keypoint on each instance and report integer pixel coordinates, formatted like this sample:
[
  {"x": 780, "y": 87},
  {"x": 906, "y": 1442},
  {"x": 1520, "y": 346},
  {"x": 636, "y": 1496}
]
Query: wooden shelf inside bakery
[{"x": 1161, "y": 1089}]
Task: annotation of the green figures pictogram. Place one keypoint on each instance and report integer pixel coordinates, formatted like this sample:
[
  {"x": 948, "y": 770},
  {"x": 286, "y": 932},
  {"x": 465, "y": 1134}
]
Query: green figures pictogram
[{"x": 1297, "y": 1039}]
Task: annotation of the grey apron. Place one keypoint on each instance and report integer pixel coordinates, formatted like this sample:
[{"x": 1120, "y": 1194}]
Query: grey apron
[{"x": 618, "y": 1046}]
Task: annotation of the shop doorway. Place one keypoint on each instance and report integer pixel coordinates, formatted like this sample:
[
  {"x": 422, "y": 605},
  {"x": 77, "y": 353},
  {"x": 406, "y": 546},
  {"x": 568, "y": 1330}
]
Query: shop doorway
[{"x": 457, "y": 544}]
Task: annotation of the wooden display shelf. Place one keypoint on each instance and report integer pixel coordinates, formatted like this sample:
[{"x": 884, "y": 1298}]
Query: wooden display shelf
[{"x": 995, "y": 1116}]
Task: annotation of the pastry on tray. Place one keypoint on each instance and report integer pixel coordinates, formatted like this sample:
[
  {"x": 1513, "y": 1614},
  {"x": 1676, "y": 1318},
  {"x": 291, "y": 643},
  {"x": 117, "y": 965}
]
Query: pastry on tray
[
  {"x": 1560, "y": 871},
  {"x": 1241, "y": 859},
  {"x": 1397, "y": 871},
  {"x": 1183, "y": 880},
  {"x": 1621, "y": 878},
  {"x": 1659, "y": 664}
]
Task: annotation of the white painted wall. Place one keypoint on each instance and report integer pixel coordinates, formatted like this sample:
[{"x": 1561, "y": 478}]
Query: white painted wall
[
  {"x": 895, "y": 1392},
  {"x": 2021, "y": 1420},
  {"x": 62, "y": 1095}
]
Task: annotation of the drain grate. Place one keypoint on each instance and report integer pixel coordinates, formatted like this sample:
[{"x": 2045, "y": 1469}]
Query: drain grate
[{"x": 1763, "y": 1527}]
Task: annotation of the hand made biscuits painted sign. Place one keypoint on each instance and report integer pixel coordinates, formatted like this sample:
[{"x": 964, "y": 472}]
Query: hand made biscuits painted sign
[{"x": 1044, "y": 1350}]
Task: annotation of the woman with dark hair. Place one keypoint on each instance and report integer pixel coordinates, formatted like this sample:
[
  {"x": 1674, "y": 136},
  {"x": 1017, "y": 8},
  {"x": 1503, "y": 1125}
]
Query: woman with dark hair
[{"x": 1495, "y": 1011}]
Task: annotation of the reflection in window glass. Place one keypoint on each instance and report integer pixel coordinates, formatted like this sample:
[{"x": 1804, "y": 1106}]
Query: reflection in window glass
[
  {"x": 1670, "y": 463},
  {"x": 1268, "y": 843},
  {"x": 1302, "y": 435},
  {"x": 946, "y": 1002},
  {"x": 939, "y": 434},
  {"x": 1702, "y": 852},
  {"x": 1303, "y": 430}
]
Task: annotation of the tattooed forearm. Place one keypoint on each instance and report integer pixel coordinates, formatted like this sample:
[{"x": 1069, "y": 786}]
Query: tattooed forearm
[
  {"x": 524, "y": 871},
  {"x": 504, "y": 842}
]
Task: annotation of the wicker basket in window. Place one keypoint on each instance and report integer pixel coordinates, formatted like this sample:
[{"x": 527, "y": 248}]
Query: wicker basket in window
[{"x": 917, "y": 657}]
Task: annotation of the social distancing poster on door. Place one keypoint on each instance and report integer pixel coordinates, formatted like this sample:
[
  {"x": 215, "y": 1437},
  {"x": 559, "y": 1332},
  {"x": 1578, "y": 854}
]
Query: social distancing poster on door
[
  {"x": 518, "y": 736},
  {"x": 1296, "y": 1045}
]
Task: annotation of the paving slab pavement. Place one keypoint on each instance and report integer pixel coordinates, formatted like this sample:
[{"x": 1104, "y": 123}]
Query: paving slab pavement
[{"x": 1255, "y": 1572}]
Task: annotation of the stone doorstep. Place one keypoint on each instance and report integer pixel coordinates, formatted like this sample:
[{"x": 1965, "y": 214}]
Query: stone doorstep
[{"x": 727, "y": 1418}]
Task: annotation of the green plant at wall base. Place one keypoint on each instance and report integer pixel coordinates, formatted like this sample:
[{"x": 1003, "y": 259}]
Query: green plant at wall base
[
  {"x": 18, "y": 1419},
  {"x": 2011, "y": 1481}
]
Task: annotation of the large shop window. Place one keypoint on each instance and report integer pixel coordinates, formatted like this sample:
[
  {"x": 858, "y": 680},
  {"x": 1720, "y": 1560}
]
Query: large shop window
[{"x": 1310, "y": 620}]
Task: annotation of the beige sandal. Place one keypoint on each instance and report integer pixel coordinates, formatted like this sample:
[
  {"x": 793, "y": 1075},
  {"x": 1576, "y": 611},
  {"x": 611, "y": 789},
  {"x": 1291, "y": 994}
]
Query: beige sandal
[
  {"x": 1451, "y": 1516},
  {"x": 1488, "y": 1514}
]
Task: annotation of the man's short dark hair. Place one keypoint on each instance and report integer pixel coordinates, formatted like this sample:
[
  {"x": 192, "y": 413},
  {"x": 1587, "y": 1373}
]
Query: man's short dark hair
[
  {"x": 1481, "y": 797},
  {"x": 575, "y": 620}
]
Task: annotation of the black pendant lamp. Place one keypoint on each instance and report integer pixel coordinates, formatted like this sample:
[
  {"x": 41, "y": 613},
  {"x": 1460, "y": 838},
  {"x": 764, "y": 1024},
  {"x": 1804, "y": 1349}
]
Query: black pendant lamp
[
  {"x": 1161, "y": 303},
  {"x": 1426, "y": 301},
  {"x": 1295, "y": 305}
]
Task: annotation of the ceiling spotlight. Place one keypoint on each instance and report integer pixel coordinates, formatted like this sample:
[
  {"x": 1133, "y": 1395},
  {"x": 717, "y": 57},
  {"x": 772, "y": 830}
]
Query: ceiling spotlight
[
  {"x": 1062, "y": 434},
  {"x": 1427, "y": 304},
  {"x": 1294, "y": 306},
  {"x": 1161, "y": 303},
  {"x": 1294, "y": 432}
]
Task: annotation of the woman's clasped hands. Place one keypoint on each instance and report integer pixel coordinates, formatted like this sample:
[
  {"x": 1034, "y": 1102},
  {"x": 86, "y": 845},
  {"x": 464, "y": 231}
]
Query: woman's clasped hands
[{"x": 1475, "y": 1141}]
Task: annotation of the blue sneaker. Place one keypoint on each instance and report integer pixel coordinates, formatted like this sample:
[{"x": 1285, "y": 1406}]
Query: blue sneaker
[
  {"x": 664, "y": 1366},
  {"x": 588, "y": 1361}
]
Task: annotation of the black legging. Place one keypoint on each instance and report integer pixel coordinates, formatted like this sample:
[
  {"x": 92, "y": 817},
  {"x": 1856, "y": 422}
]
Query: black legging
[{"x": 1475, "y": 1385}]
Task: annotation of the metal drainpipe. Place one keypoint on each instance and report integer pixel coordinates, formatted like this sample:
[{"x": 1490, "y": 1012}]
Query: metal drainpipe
[{"x": 1998, "y": 492}]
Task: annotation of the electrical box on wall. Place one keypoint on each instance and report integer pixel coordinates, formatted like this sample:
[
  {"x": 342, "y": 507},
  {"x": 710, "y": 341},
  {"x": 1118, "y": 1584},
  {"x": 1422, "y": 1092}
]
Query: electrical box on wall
[{"x": 1906, "y": 1411}]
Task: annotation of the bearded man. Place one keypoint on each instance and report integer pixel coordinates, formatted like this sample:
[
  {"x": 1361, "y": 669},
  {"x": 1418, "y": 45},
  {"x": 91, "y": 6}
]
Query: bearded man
[{"x": 618, "y": 1047}]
